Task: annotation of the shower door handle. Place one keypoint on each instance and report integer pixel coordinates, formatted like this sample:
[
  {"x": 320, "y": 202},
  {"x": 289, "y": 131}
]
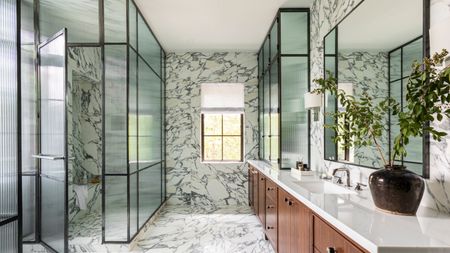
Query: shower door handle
[{"x": 49, "y": 157}]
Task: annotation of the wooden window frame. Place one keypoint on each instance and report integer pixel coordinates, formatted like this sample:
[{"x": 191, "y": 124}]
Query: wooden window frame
[{"x": 222, "y": 135}]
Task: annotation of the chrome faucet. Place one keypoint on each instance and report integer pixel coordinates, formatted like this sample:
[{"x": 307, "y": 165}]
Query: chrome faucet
[{"x": 347, "y": 172}]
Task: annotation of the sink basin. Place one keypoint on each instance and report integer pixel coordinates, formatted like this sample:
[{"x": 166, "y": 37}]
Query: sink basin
[{"x": 324, "y": 187}]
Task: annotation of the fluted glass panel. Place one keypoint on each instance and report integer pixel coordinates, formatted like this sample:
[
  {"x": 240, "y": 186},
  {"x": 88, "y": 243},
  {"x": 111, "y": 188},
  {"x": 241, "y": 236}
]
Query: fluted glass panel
[
  {"x": 274, "y": 114},
  {"x": 132, "y": 111},
  {"x": 132, "y": 30},
  {"x": 266, "y": 53},
  {"x": 8, "y": 238},
  {"x": 148, "y": 47},
  {"x": 294, "y": 121},
  {"x": 115, "y": 109},
  {"x": 8, "y": 122},
  {"x": 411, "y": 53},
  {"x": 29, "y": 207},
  {"x": 266, "y": 116},
  {"x": 52, "y": 213},
  {"x": 149, "y": 116},
  {"x": 261, "y": 117},
  {"x": 294, "y": 32},
  {"x": 330, "y": 42},
  {"x": 80, "y": 17},
  {"x": 116, "y": 208},
  {"x": 149, "y": 192},
  {"x": 133, "y": 204},
  {"x": 115, "y": 20},
  {"x": 395, "y": 65},
  {"x": 274, "y": 40}
]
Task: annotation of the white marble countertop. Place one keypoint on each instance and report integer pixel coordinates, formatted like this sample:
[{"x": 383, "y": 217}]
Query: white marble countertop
[{"x": 356, "y": 216}]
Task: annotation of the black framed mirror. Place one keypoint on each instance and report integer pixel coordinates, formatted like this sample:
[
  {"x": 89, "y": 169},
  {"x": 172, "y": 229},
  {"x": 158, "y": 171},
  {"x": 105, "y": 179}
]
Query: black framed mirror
[{"x": 373, "y": 53}]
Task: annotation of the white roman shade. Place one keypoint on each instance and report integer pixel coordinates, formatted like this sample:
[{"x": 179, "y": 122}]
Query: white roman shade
[{"x": 222, "y": 98}]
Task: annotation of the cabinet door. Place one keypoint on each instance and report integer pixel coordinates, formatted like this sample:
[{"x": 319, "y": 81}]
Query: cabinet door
[
  {"x": 284, "y": 222},
  {"x": 255, "y": 174},
  {"x": 301, "y": 229},
  {"x": 250, "y": 187},
  {"x": 272, "y": 222},
  {"x": 262, "y": 199}
]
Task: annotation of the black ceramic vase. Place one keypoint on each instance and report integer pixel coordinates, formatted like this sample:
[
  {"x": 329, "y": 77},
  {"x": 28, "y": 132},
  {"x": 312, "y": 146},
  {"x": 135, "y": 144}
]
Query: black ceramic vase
[{"x": 396, "y": 190}]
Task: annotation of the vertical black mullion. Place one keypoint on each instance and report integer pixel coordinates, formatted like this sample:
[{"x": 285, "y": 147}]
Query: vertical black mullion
[
  {"x": 102, "y": 47},
  {"x": 161, "y": 118},
  {"x": 278, "y": 55},
  {"x": 137, "y": 117},
  {"x": 242, "y": 137},
  {"x": 19, "y": 128},
  {"x": 389, "y": 111},
  {"x": 401, "y": 86},
  {"x": 426, "y": 53},
  {"x": 128, "y": 115},
  {"x": 336, "y": 75},
  {"x": 222, "y": 136},
  {"x": 309, "y": 88},
  {"x": 66, "y": 151},
  {"x": 38, "y": 125}
]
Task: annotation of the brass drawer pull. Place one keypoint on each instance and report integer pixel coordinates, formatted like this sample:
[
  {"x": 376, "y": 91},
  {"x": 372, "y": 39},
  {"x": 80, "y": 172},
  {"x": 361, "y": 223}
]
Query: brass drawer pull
[
  {"x": 270, "y": 206},
  {"x": 331, "y": 250},
  {"x": 270, "y": 188},
  {"x": 269, "y": 227}
]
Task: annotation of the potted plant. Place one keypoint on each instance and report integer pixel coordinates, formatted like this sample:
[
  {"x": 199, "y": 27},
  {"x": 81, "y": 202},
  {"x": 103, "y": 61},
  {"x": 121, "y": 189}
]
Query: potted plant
[{"x": 361, "y": 123}]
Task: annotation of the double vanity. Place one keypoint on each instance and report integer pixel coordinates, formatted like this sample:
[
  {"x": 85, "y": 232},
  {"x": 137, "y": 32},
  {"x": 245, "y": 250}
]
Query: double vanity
[{"x": 315, "y": 215}]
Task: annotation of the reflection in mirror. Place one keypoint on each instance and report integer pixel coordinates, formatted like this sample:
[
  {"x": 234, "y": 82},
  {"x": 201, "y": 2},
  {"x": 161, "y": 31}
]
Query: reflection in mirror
[{"x": 372, "y": 53}]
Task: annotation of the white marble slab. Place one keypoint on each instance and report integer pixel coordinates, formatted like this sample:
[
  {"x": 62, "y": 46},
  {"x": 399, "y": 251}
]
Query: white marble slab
[{"x": 357, "y": 217}]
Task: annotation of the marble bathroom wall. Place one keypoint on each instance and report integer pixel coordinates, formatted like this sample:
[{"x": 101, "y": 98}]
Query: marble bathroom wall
[
  {"x": 325, "y": 14},
  {"x": 84, "y": 127},
  {"x": 368, "y": 71},
  {"x": 189, "y": 181}
]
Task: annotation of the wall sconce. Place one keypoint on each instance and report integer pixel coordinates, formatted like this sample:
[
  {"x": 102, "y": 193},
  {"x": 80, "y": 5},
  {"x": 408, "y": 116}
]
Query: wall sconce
[
  {"x": 313, "y": 102},
  {"x": 440, "y": 39}
]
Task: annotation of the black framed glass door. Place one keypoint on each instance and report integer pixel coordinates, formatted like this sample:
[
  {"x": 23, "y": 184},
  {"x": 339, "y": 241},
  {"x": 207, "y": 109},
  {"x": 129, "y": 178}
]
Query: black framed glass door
[{"x": 53, "y": 141}]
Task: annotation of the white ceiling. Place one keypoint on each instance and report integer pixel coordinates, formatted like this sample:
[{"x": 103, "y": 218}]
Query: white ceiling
[
  {"x": 212, "y": 25},
  {"x": 381, "y": 25}
]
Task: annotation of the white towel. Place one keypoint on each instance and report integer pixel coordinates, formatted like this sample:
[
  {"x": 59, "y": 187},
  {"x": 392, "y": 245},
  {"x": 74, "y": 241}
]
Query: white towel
[{"x": 81, "y": 195}]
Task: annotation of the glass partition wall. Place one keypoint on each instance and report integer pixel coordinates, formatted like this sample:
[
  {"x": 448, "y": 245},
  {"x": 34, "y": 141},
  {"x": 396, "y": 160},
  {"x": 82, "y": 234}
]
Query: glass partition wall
[
  {"x": 10, "y": 201},
  {"x": 283, "y": 63},
  {"x": 115, "y": 132}
]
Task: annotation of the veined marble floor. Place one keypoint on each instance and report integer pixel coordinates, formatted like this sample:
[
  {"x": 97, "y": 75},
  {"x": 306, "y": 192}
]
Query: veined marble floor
[
  {"x": 180, "y": 229},
  {"x": 189, "y": 229}
]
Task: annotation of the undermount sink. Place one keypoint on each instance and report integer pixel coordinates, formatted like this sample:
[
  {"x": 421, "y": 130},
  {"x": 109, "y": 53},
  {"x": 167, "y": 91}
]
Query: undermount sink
[{"x": 324, "y": 187}]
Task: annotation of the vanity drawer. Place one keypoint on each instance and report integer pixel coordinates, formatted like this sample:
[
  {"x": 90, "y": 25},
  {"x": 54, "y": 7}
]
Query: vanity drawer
[
  {"x": 271, "y": 190},
  {"x": 326, "y": 238},
  {"x": 272, "y": 222}
]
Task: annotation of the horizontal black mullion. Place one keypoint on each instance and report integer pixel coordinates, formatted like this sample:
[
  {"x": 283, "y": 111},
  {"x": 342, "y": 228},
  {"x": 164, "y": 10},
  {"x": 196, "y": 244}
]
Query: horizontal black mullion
[
  {"x": 218, "y": 161},
  {"x": 8, "y": 220},
  {"x": 330, "y": 55},
  {"x": 224, "y": 135},
  {"x": 143, "y": 59},
  {"x": 295, "y": 55},
  {"x": 81, "y": 44},
  {"x": 116, "y": 44},
  {"x": 147, "y": 167},
  {"x": 116, "y": 175}
]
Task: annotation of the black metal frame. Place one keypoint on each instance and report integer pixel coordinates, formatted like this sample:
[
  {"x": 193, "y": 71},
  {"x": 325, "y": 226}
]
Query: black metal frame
[
  {"x": 267, "y": 71},
  {"x": 63, "y": 33},
  {"x": 162, "y": 82},
  {"x": 426, "y": 53},
  {"x": 101, "y": 43},
  {"x": 203, "y": 135}
]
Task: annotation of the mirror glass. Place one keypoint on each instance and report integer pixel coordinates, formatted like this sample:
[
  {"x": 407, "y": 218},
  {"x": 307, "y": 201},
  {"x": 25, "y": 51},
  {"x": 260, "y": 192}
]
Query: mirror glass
[{"x": 372, "y": 51}]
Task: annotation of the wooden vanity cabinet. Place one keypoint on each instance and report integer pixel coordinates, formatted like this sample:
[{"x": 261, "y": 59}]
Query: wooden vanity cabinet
[
  {"x": 294, "y": 225},
  {"x": 289, "y": 225}
]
